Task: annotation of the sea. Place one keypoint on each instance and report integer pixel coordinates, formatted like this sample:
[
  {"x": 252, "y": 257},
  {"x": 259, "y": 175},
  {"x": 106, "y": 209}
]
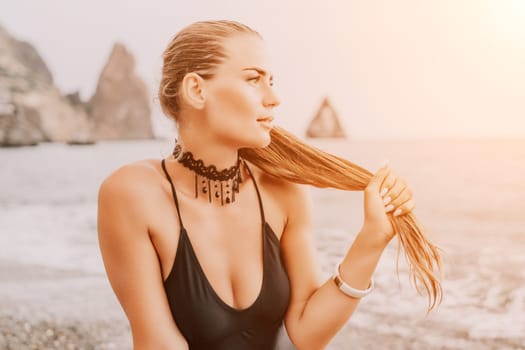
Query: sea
[{"x": 469, "y": 194}]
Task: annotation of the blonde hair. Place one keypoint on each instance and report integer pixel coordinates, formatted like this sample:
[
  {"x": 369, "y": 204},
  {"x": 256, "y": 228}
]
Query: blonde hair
[{"x": 198, "y": 48}]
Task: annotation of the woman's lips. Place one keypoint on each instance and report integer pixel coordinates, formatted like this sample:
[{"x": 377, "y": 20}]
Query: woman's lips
[{"x": 266, "y": 121}]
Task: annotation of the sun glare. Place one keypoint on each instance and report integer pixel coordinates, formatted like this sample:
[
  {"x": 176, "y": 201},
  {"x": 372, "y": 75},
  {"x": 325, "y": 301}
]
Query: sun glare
[{"x": 509, "y": 17}]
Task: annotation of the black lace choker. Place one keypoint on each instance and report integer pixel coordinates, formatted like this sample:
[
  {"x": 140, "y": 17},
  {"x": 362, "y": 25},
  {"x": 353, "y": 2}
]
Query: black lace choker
[{"x": 208, "y": 179}]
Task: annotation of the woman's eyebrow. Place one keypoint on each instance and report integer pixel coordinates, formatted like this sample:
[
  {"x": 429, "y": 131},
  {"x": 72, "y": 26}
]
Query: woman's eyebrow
[{"x": 258, "y": 70}]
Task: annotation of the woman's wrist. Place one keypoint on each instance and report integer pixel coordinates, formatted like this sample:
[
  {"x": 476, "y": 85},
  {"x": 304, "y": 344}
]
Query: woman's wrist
[
  {"x": 371, "y": 238},
  {"x": 361, "y": 259},
  {"x": 348, "y": 290}
]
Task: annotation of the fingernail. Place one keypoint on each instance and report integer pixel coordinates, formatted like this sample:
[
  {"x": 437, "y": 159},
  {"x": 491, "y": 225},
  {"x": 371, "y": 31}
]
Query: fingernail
[
  {"x": 384, "y": 191},
  {"x": 387, "y": 200},
  {"x": 389, "y": 208},
  {"x": 397, "y": 212}
]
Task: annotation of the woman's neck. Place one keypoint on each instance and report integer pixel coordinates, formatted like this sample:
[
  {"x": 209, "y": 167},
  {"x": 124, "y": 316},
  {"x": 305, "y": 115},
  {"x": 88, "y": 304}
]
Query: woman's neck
[
  {"x": 195, "y": 159},
  {"x": 221, "y": 157}
]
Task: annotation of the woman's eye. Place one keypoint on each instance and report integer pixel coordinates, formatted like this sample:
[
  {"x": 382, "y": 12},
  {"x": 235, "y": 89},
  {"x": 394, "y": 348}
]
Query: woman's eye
[{"x": 257, "y": 79}]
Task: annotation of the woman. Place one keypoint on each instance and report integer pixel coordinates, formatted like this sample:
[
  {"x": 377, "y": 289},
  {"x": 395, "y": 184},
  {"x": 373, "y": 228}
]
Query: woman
[{"x": 211, "y": 248}]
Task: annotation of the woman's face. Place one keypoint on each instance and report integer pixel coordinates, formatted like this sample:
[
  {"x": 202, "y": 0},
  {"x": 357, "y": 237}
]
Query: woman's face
[{"x": 240, "y": 100}]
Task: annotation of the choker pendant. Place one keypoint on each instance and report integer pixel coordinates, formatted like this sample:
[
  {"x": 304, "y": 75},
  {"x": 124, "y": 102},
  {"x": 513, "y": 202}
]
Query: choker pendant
[{"x": 209, "y": 181}]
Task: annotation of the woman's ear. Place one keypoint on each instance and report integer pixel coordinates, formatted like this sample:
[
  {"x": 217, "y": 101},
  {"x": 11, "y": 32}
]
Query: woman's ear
[{"x": 193, "y": 90}]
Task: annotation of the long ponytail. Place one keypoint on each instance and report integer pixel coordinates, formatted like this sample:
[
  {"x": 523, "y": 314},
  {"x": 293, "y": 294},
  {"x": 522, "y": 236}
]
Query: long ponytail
[{"x": 289, "y": 158}]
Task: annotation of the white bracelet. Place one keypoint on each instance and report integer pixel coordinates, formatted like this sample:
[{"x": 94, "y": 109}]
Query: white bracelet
[{"x": 351, "y": 291}]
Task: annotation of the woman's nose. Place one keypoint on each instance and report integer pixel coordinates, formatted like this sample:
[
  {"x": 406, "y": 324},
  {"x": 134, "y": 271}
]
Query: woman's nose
[{"x": 271, "y": 98}]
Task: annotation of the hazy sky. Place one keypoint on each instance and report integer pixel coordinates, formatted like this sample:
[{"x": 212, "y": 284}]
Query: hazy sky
[{"x": 392, "y": 69}]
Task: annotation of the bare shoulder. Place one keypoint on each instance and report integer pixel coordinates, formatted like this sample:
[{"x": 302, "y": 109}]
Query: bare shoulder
[
  {"x": 140, "y": 173},
  {"x": 130, "y": 191},
  {"x": 133, "y": 179}
]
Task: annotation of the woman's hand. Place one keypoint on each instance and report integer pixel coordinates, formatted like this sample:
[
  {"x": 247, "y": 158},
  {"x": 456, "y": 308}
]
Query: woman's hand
[{"x": 385, "y": 194}]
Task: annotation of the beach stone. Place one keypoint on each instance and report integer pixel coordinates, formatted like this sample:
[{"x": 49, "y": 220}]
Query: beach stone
[
  {"x": 50, "y": 333},
  {"x": 120, "y": 107}
]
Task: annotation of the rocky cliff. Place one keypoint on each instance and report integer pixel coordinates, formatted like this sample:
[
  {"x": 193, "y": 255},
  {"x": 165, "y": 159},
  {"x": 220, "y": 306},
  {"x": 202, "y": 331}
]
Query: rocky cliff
[{"x": 33, "y": 110}]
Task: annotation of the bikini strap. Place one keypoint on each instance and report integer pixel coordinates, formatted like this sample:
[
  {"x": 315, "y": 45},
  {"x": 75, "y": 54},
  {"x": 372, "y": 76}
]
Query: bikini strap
[
  {"x": 173, "y": 192},
  {"x": 258, "y": 194}
]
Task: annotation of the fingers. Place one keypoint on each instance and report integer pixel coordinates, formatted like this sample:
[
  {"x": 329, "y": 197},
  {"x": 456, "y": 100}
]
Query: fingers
[
  {"x": 397, "y": 196},
  {"x": 388, "y": 182},
  {"x": 405, "y": 208},
  {"x": 379, "y": 177}
]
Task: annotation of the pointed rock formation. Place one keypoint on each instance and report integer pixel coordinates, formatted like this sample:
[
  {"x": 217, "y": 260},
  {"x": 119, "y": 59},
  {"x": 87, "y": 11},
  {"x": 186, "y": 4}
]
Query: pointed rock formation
[
  {"x": 120, "y": 107},
  {"x": 325, "y": 123}
]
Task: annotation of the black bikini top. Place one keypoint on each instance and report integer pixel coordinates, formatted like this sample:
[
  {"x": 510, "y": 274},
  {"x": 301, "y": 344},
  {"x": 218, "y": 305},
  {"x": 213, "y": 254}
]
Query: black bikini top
[{"x": 204, "y": 319}]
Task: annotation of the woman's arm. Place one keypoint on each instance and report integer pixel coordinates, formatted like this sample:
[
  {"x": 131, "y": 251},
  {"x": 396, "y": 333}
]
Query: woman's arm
[
  {"x": 319, "y": 310},
  {"x": 131, "y": 262}
]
